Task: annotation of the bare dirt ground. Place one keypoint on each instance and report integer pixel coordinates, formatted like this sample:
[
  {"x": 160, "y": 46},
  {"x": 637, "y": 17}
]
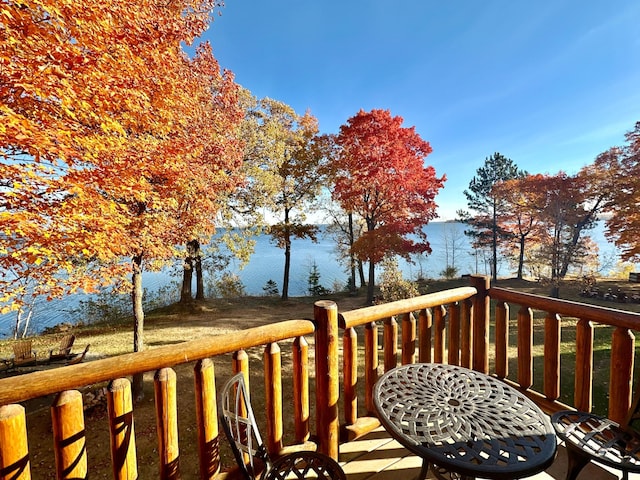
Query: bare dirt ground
[{"x": 176, "y": 324}]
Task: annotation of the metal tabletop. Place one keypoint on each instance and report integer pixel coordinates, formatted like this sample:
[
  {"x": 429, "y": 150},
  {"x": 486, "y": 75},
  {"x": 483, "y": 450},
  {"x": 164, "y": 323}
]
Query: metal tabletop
[{"x": 464, "y": 421}]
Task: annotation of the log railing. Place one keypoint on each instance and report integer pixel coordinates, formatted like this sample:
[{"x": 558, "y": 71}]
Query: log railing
[
  {"x": 622, "y": 350},
  {"x": 425, "y": 339},
  {"x": 451, "y": 326}
]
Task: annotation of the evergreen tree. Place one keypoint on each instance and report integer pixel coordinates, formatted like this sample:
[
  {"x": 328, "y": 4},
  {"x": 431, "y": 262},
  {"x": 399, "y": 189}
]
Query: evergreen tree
[{"x": 486, "y": 230}]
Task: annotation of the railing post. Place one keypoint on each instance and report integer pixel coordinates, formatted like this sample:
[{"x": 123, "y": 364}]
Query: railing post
[
  {"x": 69, "y": 436},
  {"x": 14, "y": 450},
  {"x": 425, "y": 325},
  {"x": 164, "y": 386},
  {"x": 327, "y": 376},
  {"x": 466, "y": 333},
  {"x": 408, "y": 338},
  {"x": 552, "y": 356},
  {"x": 123, "y": 443},
  {"x": 454, "y": 334},
  {"x": 300, "y": 352},
  {"x": 525, "y": 347},
  {"x": 207, "y": 419},
  {"x": 390, "y": 342},
  {"x": 502, "y": 339},
  {"x": 620, "y": 386},
  {"x": 584, "y": 365},
  {"x": 481, "y": 318},
  {"x": 273, "y": 397},
  {"x": 439, "y": 335},
  {"x": 350, "y": 375},
  {"x": 370, "y": 363}
]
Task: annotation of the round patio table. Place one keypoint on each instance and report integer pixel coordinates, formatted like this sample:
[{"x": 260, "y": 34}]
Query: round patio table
[{"x": 464, "y": 422}]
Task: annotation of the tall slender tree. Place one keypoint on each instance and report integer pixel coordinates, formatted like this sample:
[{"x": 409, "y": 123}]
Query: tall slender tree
[
  {"x": 381, "y": 177},
  {"x": 485, "y": 228},
  {"x": 286, "y": 154}
]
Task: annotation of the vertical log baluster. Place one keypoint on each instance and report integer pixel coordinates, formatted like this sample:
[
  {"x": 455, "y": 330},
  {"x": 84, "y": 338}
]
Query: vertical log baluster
[
  {"x": 370, "y": 363},
  {"x": 552, "y": 356},
  {"x": 164, "y": 384},
  {"x": 439, "y": 315},
  {"x": 408, "y": 338},
  {"x": 327, "y": 376},
  {"x": 454, "y": 334},
  {"x": 69, "y": 437},
  {"x": 481, "y": 320},
  {"x": 14, "y": 449},
  {"x": 122, "y": 435},
  {"x": 502, "y": 339},
  {"x": 301, "y": 389},
  {"x": 240, "y": 363},
  {"x": 584, "y": 365},
  {"x": 620, "y": 386},
  {"x": 207, "y": 419},
  {"x": 350, "y": 373},
  {"x": 273, "y": 397},
  {"x": 525, "y": 347},
  {"x": 390, "y": 343},
  {"x": 425, "y": 326},
  {"x": 466, "y": 332}
]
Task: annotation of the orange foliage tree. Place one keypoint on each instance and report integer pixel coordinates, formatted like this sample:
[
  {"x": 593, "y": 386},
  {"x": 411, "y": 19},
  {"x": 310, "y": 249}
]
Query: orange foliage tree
[
  {"x": 518, "y": 220},
  {"x": 114, "y": 143},
  {"x": 380, "y": 175},
  {"x": 568, "y": 207},
  {"x": 624, "y": 225}
]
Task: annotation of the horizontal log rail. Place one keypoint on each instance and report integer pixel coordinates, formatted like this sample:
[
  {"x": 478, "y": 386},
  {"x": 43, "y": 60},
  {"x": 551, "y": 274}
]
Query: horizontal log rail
[
  {"x": 374, "y": 313},
  {"x": 46, "y": 382}
]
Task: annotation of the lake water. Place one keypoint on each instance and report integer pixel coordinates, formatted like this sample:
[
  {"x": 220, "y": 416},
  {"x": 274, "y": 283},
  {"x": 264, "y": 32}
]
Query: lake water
[{"x": 267, "y": 263}]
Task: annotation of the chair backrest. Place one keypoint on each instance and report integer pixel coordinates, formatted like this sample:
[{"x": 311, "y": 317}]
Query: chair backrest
[
  {"x": 66, "y": 344},
  {"x": 22, "y": 350},
  {"x": 239, "y": 424}
]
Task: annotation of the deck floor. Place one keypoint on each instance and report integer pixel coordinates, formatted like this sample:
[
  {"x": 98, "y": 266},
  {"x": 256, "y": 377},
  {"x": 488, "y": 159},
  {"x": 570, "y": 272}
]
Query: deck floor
[{"x": 376, "y": 456}]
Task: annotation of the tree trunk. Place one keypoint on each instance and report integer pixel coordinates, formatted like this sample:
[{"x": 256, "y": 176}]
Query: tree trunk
[
  {"x": 287, "y": 256},
  {"x": 494, "y": 246},
  {"x": 287, "y": 266},
  {"x": 371, "y": 285},
  {"x": 199, "y": 277},
  {"x": 363, "y": 281},
  {"x": 187, "y": 276},
  {"x": 138, "y": 323},
  {"x": 352, "y": 258},
  {"x": 521, "y": 258}
]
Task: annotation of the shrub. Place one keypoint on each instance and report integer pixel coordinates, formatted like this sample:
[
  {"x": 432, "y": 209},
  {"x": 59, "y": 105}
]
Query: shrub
[{"x": 392, "y": 285}]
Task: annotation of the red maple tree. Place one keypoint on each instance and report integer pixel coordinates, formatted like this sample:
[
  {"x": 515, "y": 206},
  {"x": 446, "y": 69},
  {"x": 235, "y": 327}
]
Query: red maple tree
[{"x": 381, "y": 176}]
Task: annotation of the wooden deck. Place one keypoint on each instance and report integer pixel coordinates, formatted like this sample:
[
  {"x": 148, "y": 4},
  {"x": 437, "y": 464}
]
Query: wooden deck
[{"x": 376, "y": 456}]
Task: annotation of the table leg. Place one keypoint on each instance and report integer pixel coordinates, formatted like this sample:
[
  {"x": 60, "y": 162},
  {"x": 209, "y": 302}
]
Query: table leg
[{"x": 576, "y": 461}]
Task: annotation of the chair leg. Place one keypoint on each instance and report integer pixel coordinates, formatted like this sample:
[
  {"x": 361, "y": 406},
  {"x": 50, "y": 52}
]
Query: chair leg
[{"x": 576, "y": 461}]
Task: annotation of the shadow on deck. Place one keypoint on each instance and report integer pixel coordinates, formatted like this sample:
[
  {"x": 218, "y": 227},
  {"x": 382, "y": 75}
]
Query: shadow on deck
[{"x": 376, "y": 456}]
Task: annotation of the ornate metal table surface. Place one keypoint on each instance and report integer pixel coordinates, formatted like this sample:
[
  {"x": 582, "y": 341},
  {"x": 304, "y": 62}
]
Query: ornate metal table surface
[{"x": 465, "y": 421}]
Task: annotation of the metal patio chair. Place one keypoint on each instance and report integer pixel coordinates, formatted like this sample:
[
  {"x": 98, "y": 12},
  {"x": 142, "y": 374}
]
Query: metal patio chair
[
  {"x": 239, "y": 425},
  {"x": 591, "y": 437}
]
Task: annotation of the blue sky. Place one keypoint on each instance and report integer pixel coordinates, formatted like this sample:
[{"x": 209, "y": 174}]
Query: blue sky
[{"x": 549, "y": 84}]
